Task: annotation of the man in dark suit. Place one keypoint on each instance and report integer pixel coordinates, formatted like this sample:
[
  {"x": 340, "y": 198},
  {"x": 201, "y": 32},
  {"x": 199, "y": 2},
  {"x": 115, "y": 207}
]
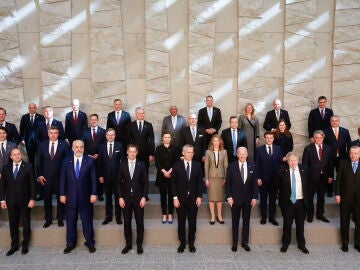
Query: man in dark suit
[
  {"x": 316, "y": 157},
  {"x": 12, "y": 133},
  {"x": 209, "y": 118},
  {"x": 17, "y": 194},
  {"x": 49, "y": 121},
  {"x": 338, "y": 138},
  {"x": 141, "y": 133},
  {"x": 319, "y": 118},
  {"x": 272, "y": 117},
  {"x": 233, "y": 138},
  {"x": 173, "y": 123},
  {"x": 268, "y": 159},
  {"x": 195, "y": 136},
  {"x": 75, "y": 122},
  {"x": 292, "y": 187},
  {"x": 356, "y": 142},
  {"x": 49, "y": 158},
  {"x": 241, "y": 191},
  {"x": 132, "y": 188},
  {"x": 28, "y": 124},
  {"x": 5, "y": 148},
  {"x": 78, "y": 193},
  {"x": 186, "y": 184},
  {"x": 119, "y": 120},
  {"x": 111, "y": 153},
  {"x": 347, "y": 195},
  {"x": 93, "y": 137}
]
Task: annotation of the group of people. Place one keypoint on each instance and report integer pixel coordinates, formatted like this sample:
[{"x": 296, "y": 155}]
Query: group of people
[{"x": 81, "y": 162}]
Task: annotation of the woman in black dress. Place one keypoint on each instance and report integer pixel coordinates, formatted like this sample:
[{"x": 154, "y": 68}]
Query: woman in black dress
[
  {"x": 283, "y": 138},
  {"x": 165, "y": 156}
]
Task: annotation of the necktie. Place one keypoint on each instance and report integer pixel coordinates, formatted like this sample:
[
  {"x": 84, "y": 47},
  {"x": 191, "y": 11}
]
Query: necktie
[
  {"x": 210, "y": 114},
  {"x": 16, "y": 171},
  {"x": 2, "y": 150},
  {"x": 320, "y": 153},
  {"x": 193, "y": 133},
  {"x": 75, "y": 118},
  {"x": 32, "y": 119},
  {"x": 269, "y": 148},
  {"x": 278, "y": 115},
  {"x": 94, "y": 134},
  {"x": 234, "y": 142},
  {"x": 354, "y": 167},
  {"x": 117, "y": 117},
  {"x": 242, "y": 172},
  {"x": 77, "y": 168},
  {"x": 336, "y": 133},
  {"x": 293, "y": 187},
  {"x": 1, "y": 125},
  {"x": 140, "y": 127},
  {"x": 322, "y": 114},
  {"x": 132, "y": 167},
  {"x": 48, "y": 125},
  {"x": 110, "y": 150},
  {"x": 173, "y": 122},
  {"x": 52, "y": 151},
  {"x": 188, "y": 170}
]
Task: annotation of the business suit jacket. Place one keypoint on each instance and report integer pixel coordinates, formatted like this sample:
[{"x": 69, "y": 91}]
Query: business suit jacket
[
  {"x": 175, "y": 133},
  {"x": 204, "y": 121},
  {"x": 210, "y": 167},
  {"x": 120, "y": 129},
  {"x": 342, "y": 145},
  {"x": 199, "y": 143},
  {"x": 74, "y": 131},
  {"x": 316, "y": 167},
  {"x": 272, "y": 122},
  {"x": 109, "y": 166},
  {"x": 355, "y": 143},
  {"x": 6, "y": 158},
  {"x": 241, "y": 193},
  {"x": 139, "y": 183},
  {"x": 348, "y": 183},
  {"x": 20, "y": 191},
  {"x": 267, "y": 165},
  {"x": 78, "y": 191},
  {"x": 228, "y": 144},
  {"x": 42, "y": 131},
  {"x": 145, "y": 141},
  {"x": 180, "y": 185},
  {"x": 12, "y": 133},
  {"x": 91, "y": 146},
  {"x": 315, "y": 122},
  {"x": 28, "y": 130}
]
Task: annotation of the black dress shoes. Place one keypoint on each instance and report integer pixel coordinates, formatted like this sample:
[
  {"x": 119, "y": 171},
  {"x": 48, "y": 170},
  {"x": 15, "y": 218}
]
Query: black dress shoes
[
  {"x": 345, "y": 248},
  {"x": 246, "y": 247},
  {"x": 61, "y": 223},
  {"x": 92, "y": 249},
  {"x": 12, "y": 251},
  {"x": 192, "y": 248},
  {"x": 47, "y": 224},
  {"x": 357, "y": 247},
  {"x": 119, "y": 221},
  {"x": 106, "y": 221},
  {"x": 263, "y": 221},
  {"x": 274, "y": 222},
  {"x": 68, "y": 249},
  {"x": 283, "y": 249},
  {"x": 126, "y": 249},
  {"x": 181, "y": 248},
  {"x": 24, "y": 250},
  {"x": 310, "y": 219},
  {"x": 101, "y": 198},
  {"x": 303, "y": 249},
  {"x": 39, "y": 198},
  {"x": 322, "y": 218},
  {"x": 140, "y": 250},
  {"x": 234, "y": 248}
]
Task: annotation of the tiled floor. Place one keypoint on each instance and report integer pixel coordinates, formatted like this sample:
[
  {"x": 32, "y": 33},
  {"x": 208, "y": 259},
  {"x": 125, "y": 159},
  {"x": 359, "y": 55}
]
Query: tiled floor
[{"x": 165, "y": 257}]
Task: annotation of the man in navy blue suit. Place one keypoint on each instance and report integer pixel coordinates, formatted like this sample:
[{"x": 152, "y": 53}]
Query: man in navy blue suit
[
  {"x": 75, "y": 122},
  {"x": 119, "y": 120},
  {"x": 12, "y": 133},
  {"x": 241, "y": 192},
  {"x": 49, "y": 121},
  {"x": 272, "y": 117},
  {"x": 49, "y": 158},
  {"x": 268, "y": 159},
  {"x": 78, "y": 193},
  {"x": 132, "y": 188},
  {"x": 111, "y": 153},
  {"x": 93, "y": 137}
]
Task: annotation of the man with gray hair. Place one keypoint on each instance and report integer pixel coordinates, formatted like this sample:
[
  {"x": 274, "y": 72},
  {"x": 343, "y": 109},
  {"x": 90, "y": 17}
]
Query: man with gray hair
[
  {"x": 272, "y": 117},
  {"x": 75, "y": 122}
]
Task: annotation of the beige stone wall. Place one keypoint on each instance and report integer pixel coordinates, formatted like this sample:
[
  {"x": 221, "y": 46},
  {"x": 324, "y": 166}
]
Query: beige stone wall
[{"x": 154, "y": 53}]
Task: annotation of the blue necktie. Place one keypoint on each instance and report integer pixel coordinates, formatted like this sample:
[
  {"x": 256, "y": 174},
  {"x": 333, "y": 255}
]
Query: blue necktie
[
  {"x": 293, "y": 187},
  {"x": 354, "y": 167},
  {"x": 234, "y": 142},
  {"x": 77, "y": 168},
  {"x": 16, "y": 171}
]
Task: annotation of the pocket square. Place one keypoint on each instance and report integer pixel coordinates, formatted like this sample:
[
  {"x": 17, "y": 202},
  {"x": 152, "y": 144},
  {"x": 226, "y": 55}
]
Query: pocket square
[
  {"x": 201, "y": 135},
  {"x": 251, "y": 172},
  {"x": 117, "y": 151}
]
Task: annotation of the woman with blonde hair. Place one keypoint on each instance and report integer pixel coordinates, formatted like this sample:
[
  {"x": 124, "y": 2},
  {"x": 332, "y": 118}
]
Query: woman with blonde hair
[{"x": 216, "y": 163}]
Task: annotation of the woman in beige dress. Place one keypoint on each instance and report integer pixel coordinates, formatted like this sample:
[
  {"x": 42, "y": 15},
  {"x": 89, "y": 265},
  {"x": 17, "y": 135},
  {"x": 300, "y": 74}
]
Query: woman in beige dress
[{"x": 216, "y": 163}]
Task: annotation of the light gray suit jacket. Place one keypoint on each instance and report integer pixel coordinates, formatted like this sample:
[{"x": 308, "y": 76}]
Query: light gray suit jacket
[{"x": 175, "y": 133}]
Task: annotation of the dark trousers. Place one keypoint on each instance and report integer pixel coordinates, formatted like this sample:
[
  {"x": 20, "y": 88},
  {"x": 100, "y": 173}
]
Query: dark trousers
[
  {"x": 187, "y": 209},
  {"x": 166, "y": 199},
  {"x": 319, "y": 188},
  {"x": 267, "y": 191},
  {"x": 346, "y": 210},
  {"x": 50, "y": 188},
  {"x": 16, "y": 213},
  {"x": 235, "y": 215},
  {"x": 290, "y": 212},
  {"x": 109, "y": 193},
  {"x": 133, "y": 205},
  {"x": 86, "y": 216}
]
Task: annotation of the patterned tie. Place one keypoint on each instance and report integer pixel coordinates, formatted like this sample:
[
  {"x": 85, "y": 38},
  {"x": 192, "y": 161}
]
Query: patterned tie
[
  {"x": 293, "y": 187},
  {"x": 94, "y": 134},
  {"x": 52, "y": 151},
  {"x": 354, "y": 167},
  {"x": 320, "y": 153},
  {"x": 32, "y": 120},
  {"x": 16, "y": 171},
  {"x": 193, "y": 133},
  {"x": 269, "y": 148},
  {"x": 140, "y": 127},
  {"x": 77, "y": 168},
  {"x": 234, "y": 142},
  {"x": 48, "y": 125},
  {"x": 188, "y": 170},
  {"x": 110, "y": 150},
  {"x": 75, "y": 118},
  {"x": 2, "y": 150},
  {"x": 242, "y": 172},
  {"x": 132, "y": 169}
]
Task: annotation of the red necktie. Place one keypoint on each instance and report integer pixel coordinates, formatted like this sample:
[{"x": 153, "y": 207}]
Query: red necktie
[
  {"x": 94, "y": 134},
  {"x": 75, "y": 118},
  {"x": 320, "y": 153}
]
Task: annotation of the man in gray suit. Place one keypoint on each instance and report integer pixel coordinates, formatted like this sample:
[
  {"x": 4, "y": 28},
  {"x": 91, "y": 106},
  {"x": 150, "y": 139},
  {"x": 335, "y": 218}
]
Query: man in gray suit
[
  {"x": 5, "y": 148},
  {"x": 173, "y": 123}
]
